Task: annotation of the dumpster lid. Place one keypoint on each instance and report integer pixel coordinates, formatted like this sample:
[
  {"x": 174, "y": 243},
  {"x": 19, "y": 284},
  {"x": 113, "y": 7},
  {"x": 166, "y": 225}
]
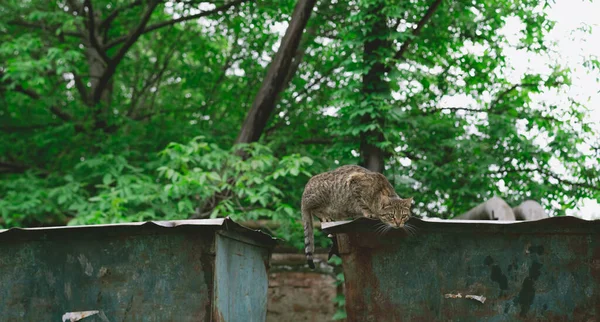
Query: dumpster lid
[
  {"x": 224, "y": 224},
  {"x": 569, "y": 224}
]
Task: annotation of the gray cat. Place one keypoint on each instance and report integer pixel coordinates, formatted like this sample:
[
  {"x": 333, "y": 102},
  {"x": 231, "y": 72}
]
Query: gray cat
[{"x": 349, "y": 192}]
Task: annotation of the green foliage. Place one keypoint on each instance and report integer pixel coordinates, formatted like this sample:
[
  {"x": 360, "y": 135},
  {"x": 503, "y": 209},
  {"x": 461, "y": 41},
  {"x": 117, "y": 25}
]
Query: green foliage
[
  {"x": 340, "y": 299},
  {"x": 109, "y": 189},
  {"x": 68, "y": 158}
]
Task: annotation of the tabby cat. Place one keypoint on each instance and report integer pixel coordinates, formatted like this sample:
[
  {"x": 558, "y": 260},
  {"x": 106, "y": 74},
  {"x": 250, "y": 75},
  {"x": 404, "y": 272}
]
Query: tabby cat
[{"x": 349, "y": 192}]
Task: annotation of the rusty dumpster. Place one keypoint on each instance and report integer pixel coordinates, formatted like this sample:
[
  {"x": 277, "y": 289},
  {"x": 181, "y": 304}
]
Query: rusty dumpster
[
  {"x": 189, "y": 270},
  {"x": 544, "y": 270}
]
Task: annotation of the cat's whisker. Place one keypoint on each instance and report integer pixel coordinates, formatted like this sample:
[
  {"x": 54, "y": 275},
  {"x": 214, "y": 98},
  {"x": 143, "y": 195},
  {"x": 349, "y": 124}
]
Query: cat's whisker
[
  {"x": 413, "y": 227},
  {"x": 385, "y": 229},
  {"x": 382, "y": 228},
  {"x": 410, "y": 232},
  {"x": 410, "y": 229},
  {"x": 379, "y": 225}
]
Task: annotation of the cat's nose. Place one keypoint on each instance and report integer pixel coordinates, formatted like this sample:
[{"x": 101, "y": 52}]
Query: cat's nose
[{"x": 398, "y": 222}]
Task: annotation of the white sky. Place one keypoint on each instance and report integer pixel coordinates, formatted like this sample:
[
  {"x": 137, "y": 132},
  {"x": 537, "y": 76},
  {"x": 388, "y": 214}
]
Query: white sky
[{"x": 572, "y": 47}]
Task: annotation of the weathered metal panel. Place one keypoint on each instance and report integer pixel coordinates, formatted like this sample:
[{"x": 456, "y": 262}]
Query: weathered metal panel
[
  {"x": 130, "y": 272},
  {"x": 547, "y": 270},
  {"x": 241, "y": 281}
]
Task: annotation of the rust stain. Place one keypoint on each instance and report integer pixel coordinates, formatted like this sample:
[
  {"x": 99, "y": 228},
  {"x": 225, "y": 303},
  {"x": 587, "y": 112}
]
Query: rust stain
[
  {"x": 217, "y": 316},
  {"x": 539, "y": 271},
  {"x": 365, "y": 300}
]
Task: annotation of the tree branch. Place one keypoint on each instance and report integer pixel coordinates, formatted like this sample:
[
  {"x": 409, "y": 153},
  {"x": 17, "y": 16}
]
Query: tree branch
[
  {"x": 229, "y": 61},
  {"x": 155, "y": 26},
  {"x": 502, "y": 94},
  {"x": 272, "y": 85},
  {"x": 11, "y": 168},
  {"x": 28, "y": 128},
  {"x": 493, "y": 103},
  {"x": 106, "y": 22},
  {"x": 550, "y": 174},
  {"x": 131, "y": 39},
  {"x": 417, "y": 30},
  {"x": 60, "y": 113},
  {"x": 54, "y": 109},
  {"x": 571, "y": 183},
  {"x": 156, "y": 77},
  {"x": 74, "y": 5},
  {"x": 507, "y": 91},
  {"x": 316, "y": 141},
  {"x": 44, "y": 28},
  {"x": 467, "y": 109},
  {"x": 92, "y": 32},
  {"x": 318, "y": 80},
  {"x": 80, "y": 86},
  {"x": 32, "y": 94},
  {"x": 307, "y": 37}
]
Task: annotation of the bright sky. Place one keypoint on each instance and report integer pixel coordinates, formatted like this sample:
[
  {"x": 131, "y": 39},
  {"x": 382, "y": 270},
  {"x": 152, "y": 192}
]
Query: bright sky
[{"x": 573, "y": 46}]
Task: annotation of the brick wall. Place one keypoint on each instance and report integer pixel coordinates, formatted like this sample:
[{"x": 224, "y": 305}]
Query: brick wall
[{"x": 300, "y": 296}]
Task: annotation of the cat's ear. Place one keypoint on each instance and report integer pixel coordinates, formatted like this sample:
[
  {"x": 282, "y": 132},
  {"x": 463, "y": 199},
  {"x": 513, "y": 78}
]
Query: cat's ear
[{"x": 407, "y": 201}]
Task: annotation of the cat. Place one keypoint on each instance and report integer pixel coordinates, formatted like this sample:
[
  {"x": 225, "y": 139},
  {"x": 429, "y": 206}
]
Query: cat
[{"x": 349, "y": 192}]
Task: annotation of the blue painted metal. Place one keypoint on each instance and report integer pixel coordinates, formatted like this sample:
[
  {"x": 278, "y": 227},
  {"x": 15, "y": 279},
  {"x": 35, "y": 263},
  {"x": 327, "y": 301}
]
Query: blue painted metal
[
  {"x": 241, "y": 281},
  {"x": 164, "y": 271},
  {"x": 546, "y": 270}
]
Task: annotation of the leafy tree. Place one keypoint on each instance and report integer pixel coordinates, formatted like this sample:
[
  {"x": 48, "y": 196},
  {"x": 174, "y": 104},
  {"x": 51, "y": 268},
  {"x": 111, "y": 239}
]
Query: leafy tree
[
  {"x": 453, "y": 157},
  {"x": 117, "y": 111}
]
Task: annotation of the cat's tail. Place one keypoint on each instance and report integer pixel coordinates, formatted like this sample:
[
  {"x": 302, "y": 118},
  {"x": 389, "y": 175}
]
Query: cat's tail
[{"x": 309, "y": 237}]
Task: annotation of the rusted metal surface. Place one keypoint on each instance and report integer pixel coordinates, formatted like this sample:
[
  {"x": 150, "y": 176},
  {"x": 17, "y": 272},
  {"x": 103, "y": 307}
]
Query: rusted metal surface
[
  {"x": 163, "y": 271},
  {"x": 545, "y": 270}
]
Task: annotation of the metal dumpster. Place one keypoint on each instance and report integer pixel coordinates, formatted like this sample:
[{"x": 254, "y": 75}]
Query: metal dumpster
[
  {"x": 189, "y": 270},
  {"x": 545, "y": 270}
]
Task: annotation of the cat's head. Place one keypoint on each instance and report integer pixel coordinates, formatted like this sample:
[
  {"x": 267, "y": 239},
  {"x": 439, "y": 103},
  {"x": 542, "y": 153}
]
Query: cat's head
[{"x": 397, "y": 212}]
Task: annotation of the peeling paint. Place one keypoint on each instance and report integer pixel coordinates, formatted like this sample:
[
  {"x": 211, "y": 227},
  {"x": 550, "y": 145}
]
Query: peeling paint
[
  {"x": 547, "y": 270},
  {"x": 479, "y": 298},
  {"x": 129, "y": 272},
  {"x": 86, "y": 265},
  {"x": 68, "y": 292},
  {"x": 102, "y": 271},
  {"x": 76, "y": 316},
  {"x": 453, "y": 296}
]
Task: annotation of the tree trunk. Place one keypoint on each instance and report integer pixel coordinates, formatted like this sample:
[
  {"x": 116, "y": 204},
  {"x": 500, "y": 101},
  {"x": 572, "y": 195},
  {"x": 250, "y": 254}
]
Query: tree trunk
[
  {"x": 375, "y": 87},
  {"x": 97, "y": 67},
  {"x": 278, "y": 75},
  {"x": 273, "y": 84}
]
